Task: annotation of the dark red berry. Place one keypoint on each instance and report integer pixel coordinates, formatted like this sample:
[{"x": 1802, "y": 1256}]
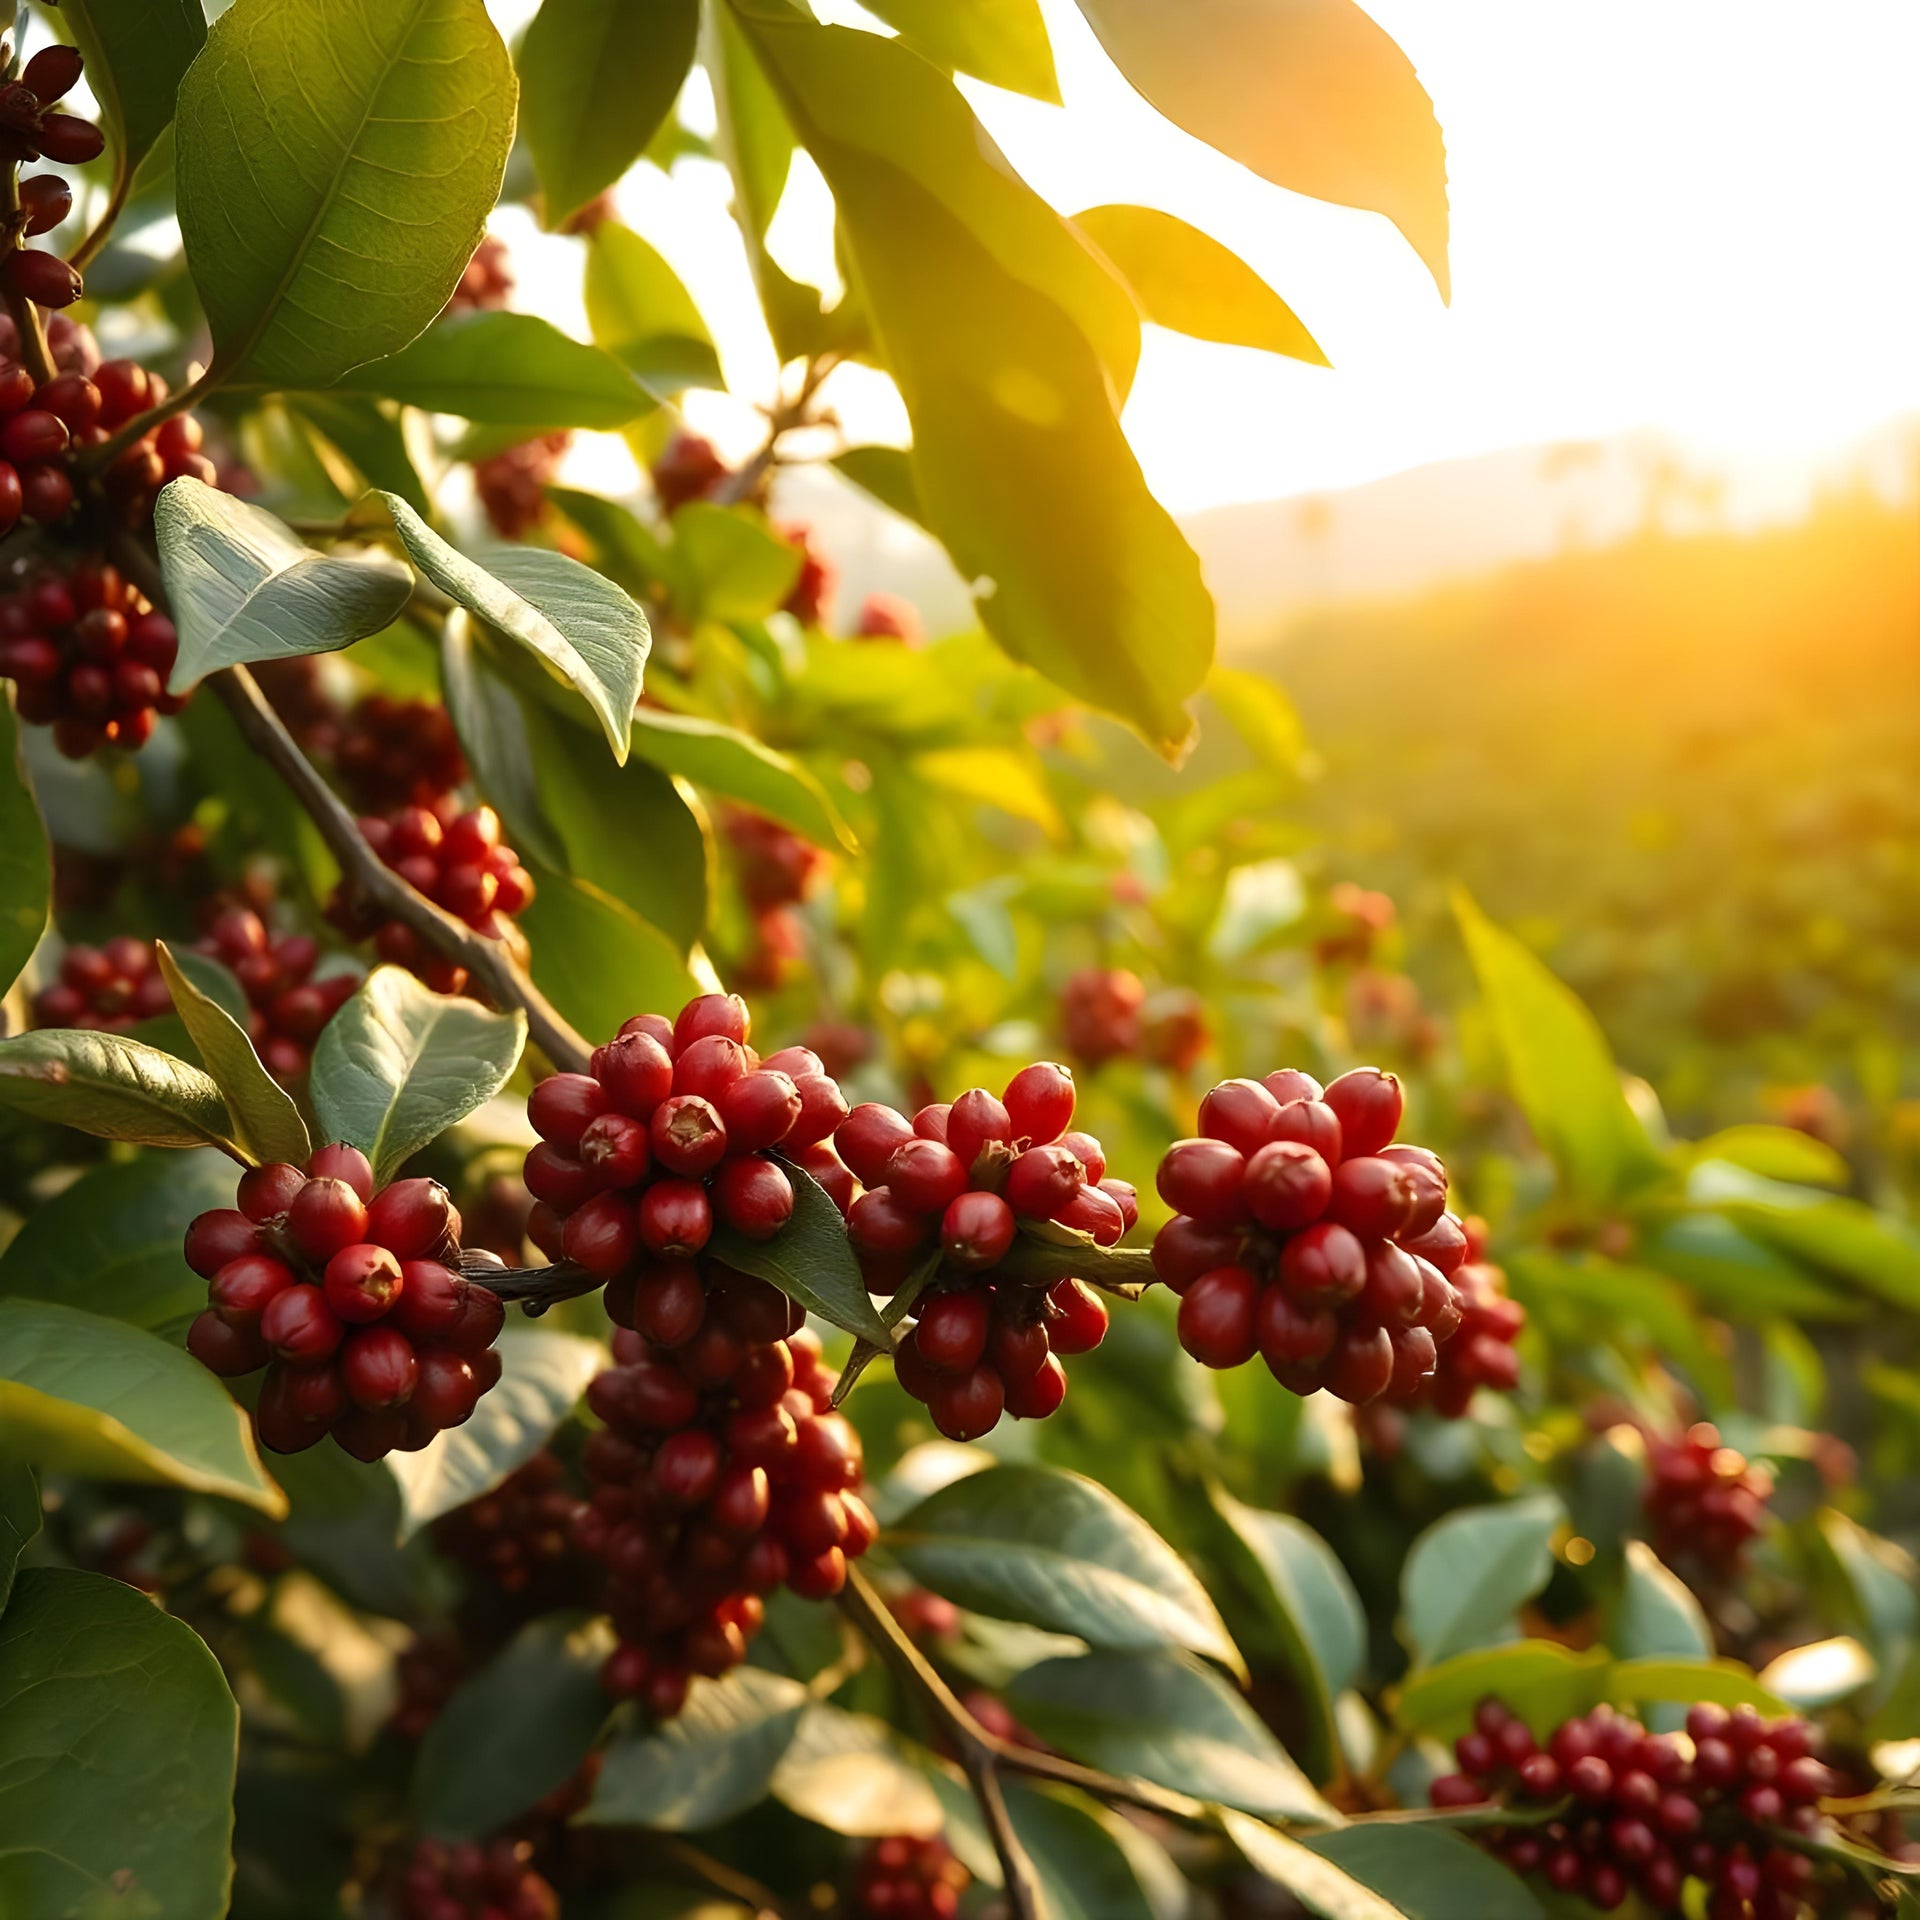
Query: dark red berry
[
  {"x": 1369, "y": 1104},
  {"x": 1216, "y": 1320},
  {"x": 1039, "y": 1102}
]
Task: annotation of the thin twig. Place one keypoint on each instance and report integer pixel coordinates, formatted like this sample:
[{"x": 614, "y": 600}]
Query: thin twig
[
  {"x": 535, "y": 1288},
  {"x": 766, "y": 1904},
  {"x": 745, "y": 480}
]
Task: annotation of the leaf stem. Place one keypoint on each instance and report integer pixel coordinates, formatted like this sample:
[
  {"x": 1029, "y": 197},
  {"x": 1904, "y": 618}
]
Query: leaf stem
[
  {"x": 534, "y": 1288},
  {"x": 723, "y": 1879}
]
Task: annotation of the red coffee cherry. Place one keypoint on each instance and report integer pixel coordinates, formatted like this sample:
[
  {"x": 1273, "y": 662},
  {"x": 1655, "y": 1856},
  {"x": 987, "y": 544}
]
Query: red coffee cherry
[
  {"x": 976, "y": 1121},
  {"x": 952, "y": 1331},
  {"x": 1078, "y": 1320},
  {"x": 379, "y": 1367},
  {"x": 324, "y": 1216},
  {"x": 299, "y": 1327},
  {"x": 362, "y": 1283},
  {"x": 1039, "y": 1102},
  {"x": 976, "y": 1230},
  {"x": 967, "y": 1405},
  {"x": 342, "y": 1162},
  {"x": 1324, "y": 1263},
  {"x": 1373, "y": 1197},
  {"x": 754, "y": 1197},
  {"x": 1369, "y": 1105},
  {"x": 1203, "y": 1179},
  {"x": 1313, "y": 1124},
  {"x": 868, "y": 1138},
  {"x": 1240, "y": 1112},
  {"x": 1216, "y": 1321},
  {"x": 1287, "y": 1186}
]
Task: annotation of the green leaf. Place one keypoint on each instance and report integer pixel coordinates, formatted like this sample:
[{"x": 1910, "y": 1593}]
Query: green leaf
[
  {"x": 999, "y": 328},
  {"x": 1880, "y": 1575},
  {"x": 1558, "y": 1064},
  {"x": 492, "y": 725},
  {"x": 641, "y": 313},
  {"x": 110, "y": 1243},
  {"x": 733, "y": 565},
  {"x": 1657, "y": 1615},
  {"x": 337, "y": 160},
  {"x": 597, "y": 79},
  {"x": 596, "y": 959},
  {"x": 1821, "y": 1674},
  {"x": 1542, "y": 1681},
  {"x": 1092, "y": 1865},
  {"x": 115, "y": 1088},
  {"x": 214, "y": 979},
  {"x": 26, "y": 864},
  {"x": 508, "y": 370},
  {"x": 266, "y": 1122},
  {"x": 93, "y": 1396},
  {"x": 542, "y": 1377},
  {"x": 117, "y": 1743},
  {"x": 1468, "y": 1573},
  {"x": 137, "y": 52},
  {"x": 19, "y": 1519},
  {"x": 579, "y": 623},
  {"x": 1169, "y": 1720},
  {"x": 1186, "y": 280},
  {"x": 886, "y": 475},
  {"x": 1003, "y": 42},
  {"x": 243, "y": 587},
  {"x": 810, "y": 1260},
  {"x": 373, "y": 436},
  {"x": 1311, "y": 94},
  {"x": 1427, "y": 1872},
  {"x": 717, "y": 1758},
  {"x": 1724, "y": 1682},
  {"x": 852, "y": 1774},
  {"x": 1307, "y": 1603},
  {"x": 1054, "y": 1550},
  {"x": 399, "y": 1064},
  {"x": 1318, "y": 1884},
  {"x": 726, "y": 760},
  {"x": 1777, "y": 1153},
  {"x": 515, "y": 1731}
]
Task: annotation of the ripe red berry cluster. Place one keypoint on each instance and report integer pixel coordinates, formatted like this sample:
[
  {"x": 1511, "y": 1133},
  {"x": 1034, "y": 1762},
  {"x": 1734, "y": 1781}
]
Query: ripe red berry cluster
[
  {"x": 87, "y": 655},
  {"x": 777, "y": 870},
  {"x": 1301, "y": 1233},
  {"x": 689, "y": 469},
  {"x": 28, "y": 131},
  {"x": 1481, "y": 1352},
  {"x": 953, "y": 1185},
  {"x": 812, "y": 592},
  {"x": 520, "y": 1533},
  {"x": 721, "y": 1473},
  {"x": 1106, "y": 1014},
  {"x": 427, "y": 1672},
  {"x": 1704, "y": 1501},
  {"x": 104, "y": 989},
  {"x": 901, "y": 1878},
  {"x": 351, "y": 1299},
  {"x": 1357, "y": 917},
  {"x": 1650, "y": 1811},
  {"x": 512, "y": 484},
  {"x": 287, "y": 1006},
  {"x": 390, "y": 753},
  {"x": 459, "y": 862},
  {"x": 473, "y": 1882},
  {"x": 487, "y": 282},
  {"x": 669, "y": 1132}
]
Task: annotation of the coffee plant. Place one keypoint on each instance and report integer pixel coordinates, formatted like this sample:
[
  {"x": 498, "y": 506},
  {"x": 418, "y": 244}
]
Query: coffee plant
[{"x": 673, "y": 1246}]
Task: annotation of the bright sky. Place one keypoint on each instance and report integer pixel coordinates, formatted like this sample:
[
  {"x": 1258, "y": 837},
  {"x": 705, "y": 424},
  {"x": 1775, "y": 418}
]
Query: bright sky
[{"x": 1698, "y": 215}]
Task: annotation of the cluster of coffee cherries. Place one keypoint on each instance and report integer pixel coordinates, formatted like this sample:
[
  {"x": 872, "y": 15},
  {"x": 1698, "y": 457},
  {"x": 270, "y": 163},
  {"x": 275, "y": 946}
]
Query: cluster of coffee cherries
[
  {"x": 353, "y": 1301},
  {"x": 427, "y": 1673},
  {"x": 28, "y": 131},
  {"x": 690, "y": 468},
  {"x": 1301, "y": 1233},
  {"x": 777, "y": 870},
  {"x": 812, "y": 592},
  {"x": 903, "y": 1878},
  {"x": 1704, "y": 1502},
  {"x": 455, "y": 858},
  {"x": 1481, "y": 1352},
  {"x": 521, "y": 1534},
  {"x": 387, "y": 752},
  {"x": 670, "y": 1131},
  {"x": 952, "y": 1186},
  {"x": 469, "y": 1881},
  {"x": 720, "y": 1474},
  {"x": 512, "y": 484},
  {"x": 287, "y": 1006},
  {"x": 88, "y": 657},
  {"x": 104, "y": 989},
  {"x": 487, "y": 281},
  {"x": 1649, "y": 1812},
  {"x": 1355, "y": 919},
  {"x": 1106, "y": 1014}
]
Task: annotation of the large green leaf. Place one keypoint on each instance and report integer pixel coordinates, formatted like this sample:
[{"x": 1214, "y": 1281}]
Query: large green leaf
[
  {"x": 853, "y": 1774},
  {"x": 119, "y": 1089},
  {"x": 886, "y": 475},
  {"x": 94, "y": 1396},
  {"x": 110, "y": 1243},
  {"x": 1186, "y": 280},
  {"x": 577, "y": 621},
  {"x": 1169, "y": 1720},
  {"x": 1558, "y": 1065},
  {"x": 508, "y": 370},
  {"x": 731, "y": 564},
  {"x": 117, "y": 1745},
  {"x": 1311, "y": 94},
  {"x": 726, "y": 760},
  {"x": 26, "y": 864},
  {"x": 373, "y": 435},
  {"x": 399, "y": 1064},
  {"x": 999, "y": 328},
  {"x": 1468, "y": 1573},
  {"x": 492, "y": 724},
  {"x": 1884, "y": 1584},
  {"x": 1054, "y": 1550},
  {"x": 717, "y": 1758},
  {"x": 337, "y": 160},
  {"x": 810, "y": 1260},
  {"x": 19, "y": 1519},
  {"x": 1003, "y": 42},
  {"x": 264, "y": 1116},
  {"x": 1724, "y": 1682},
  {"x": 137, "y": 52},
  {"x": 1092, "y": 1865},
  {"x": 244, "y": 587},
  {"x": 1427, "y": 1872},
  {"x": 597, "y": 960},
  {"x": 516, "y": 1731},
  {"x": 597, "y": 78},
  {"x": 642, "y": 314},
  {"x": 1656, "y": 1614},
  {"x": 542, "y": 1377},
  {"x": 1542, "y": 1681},
  {"x": 1319, "y": 1884}
]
